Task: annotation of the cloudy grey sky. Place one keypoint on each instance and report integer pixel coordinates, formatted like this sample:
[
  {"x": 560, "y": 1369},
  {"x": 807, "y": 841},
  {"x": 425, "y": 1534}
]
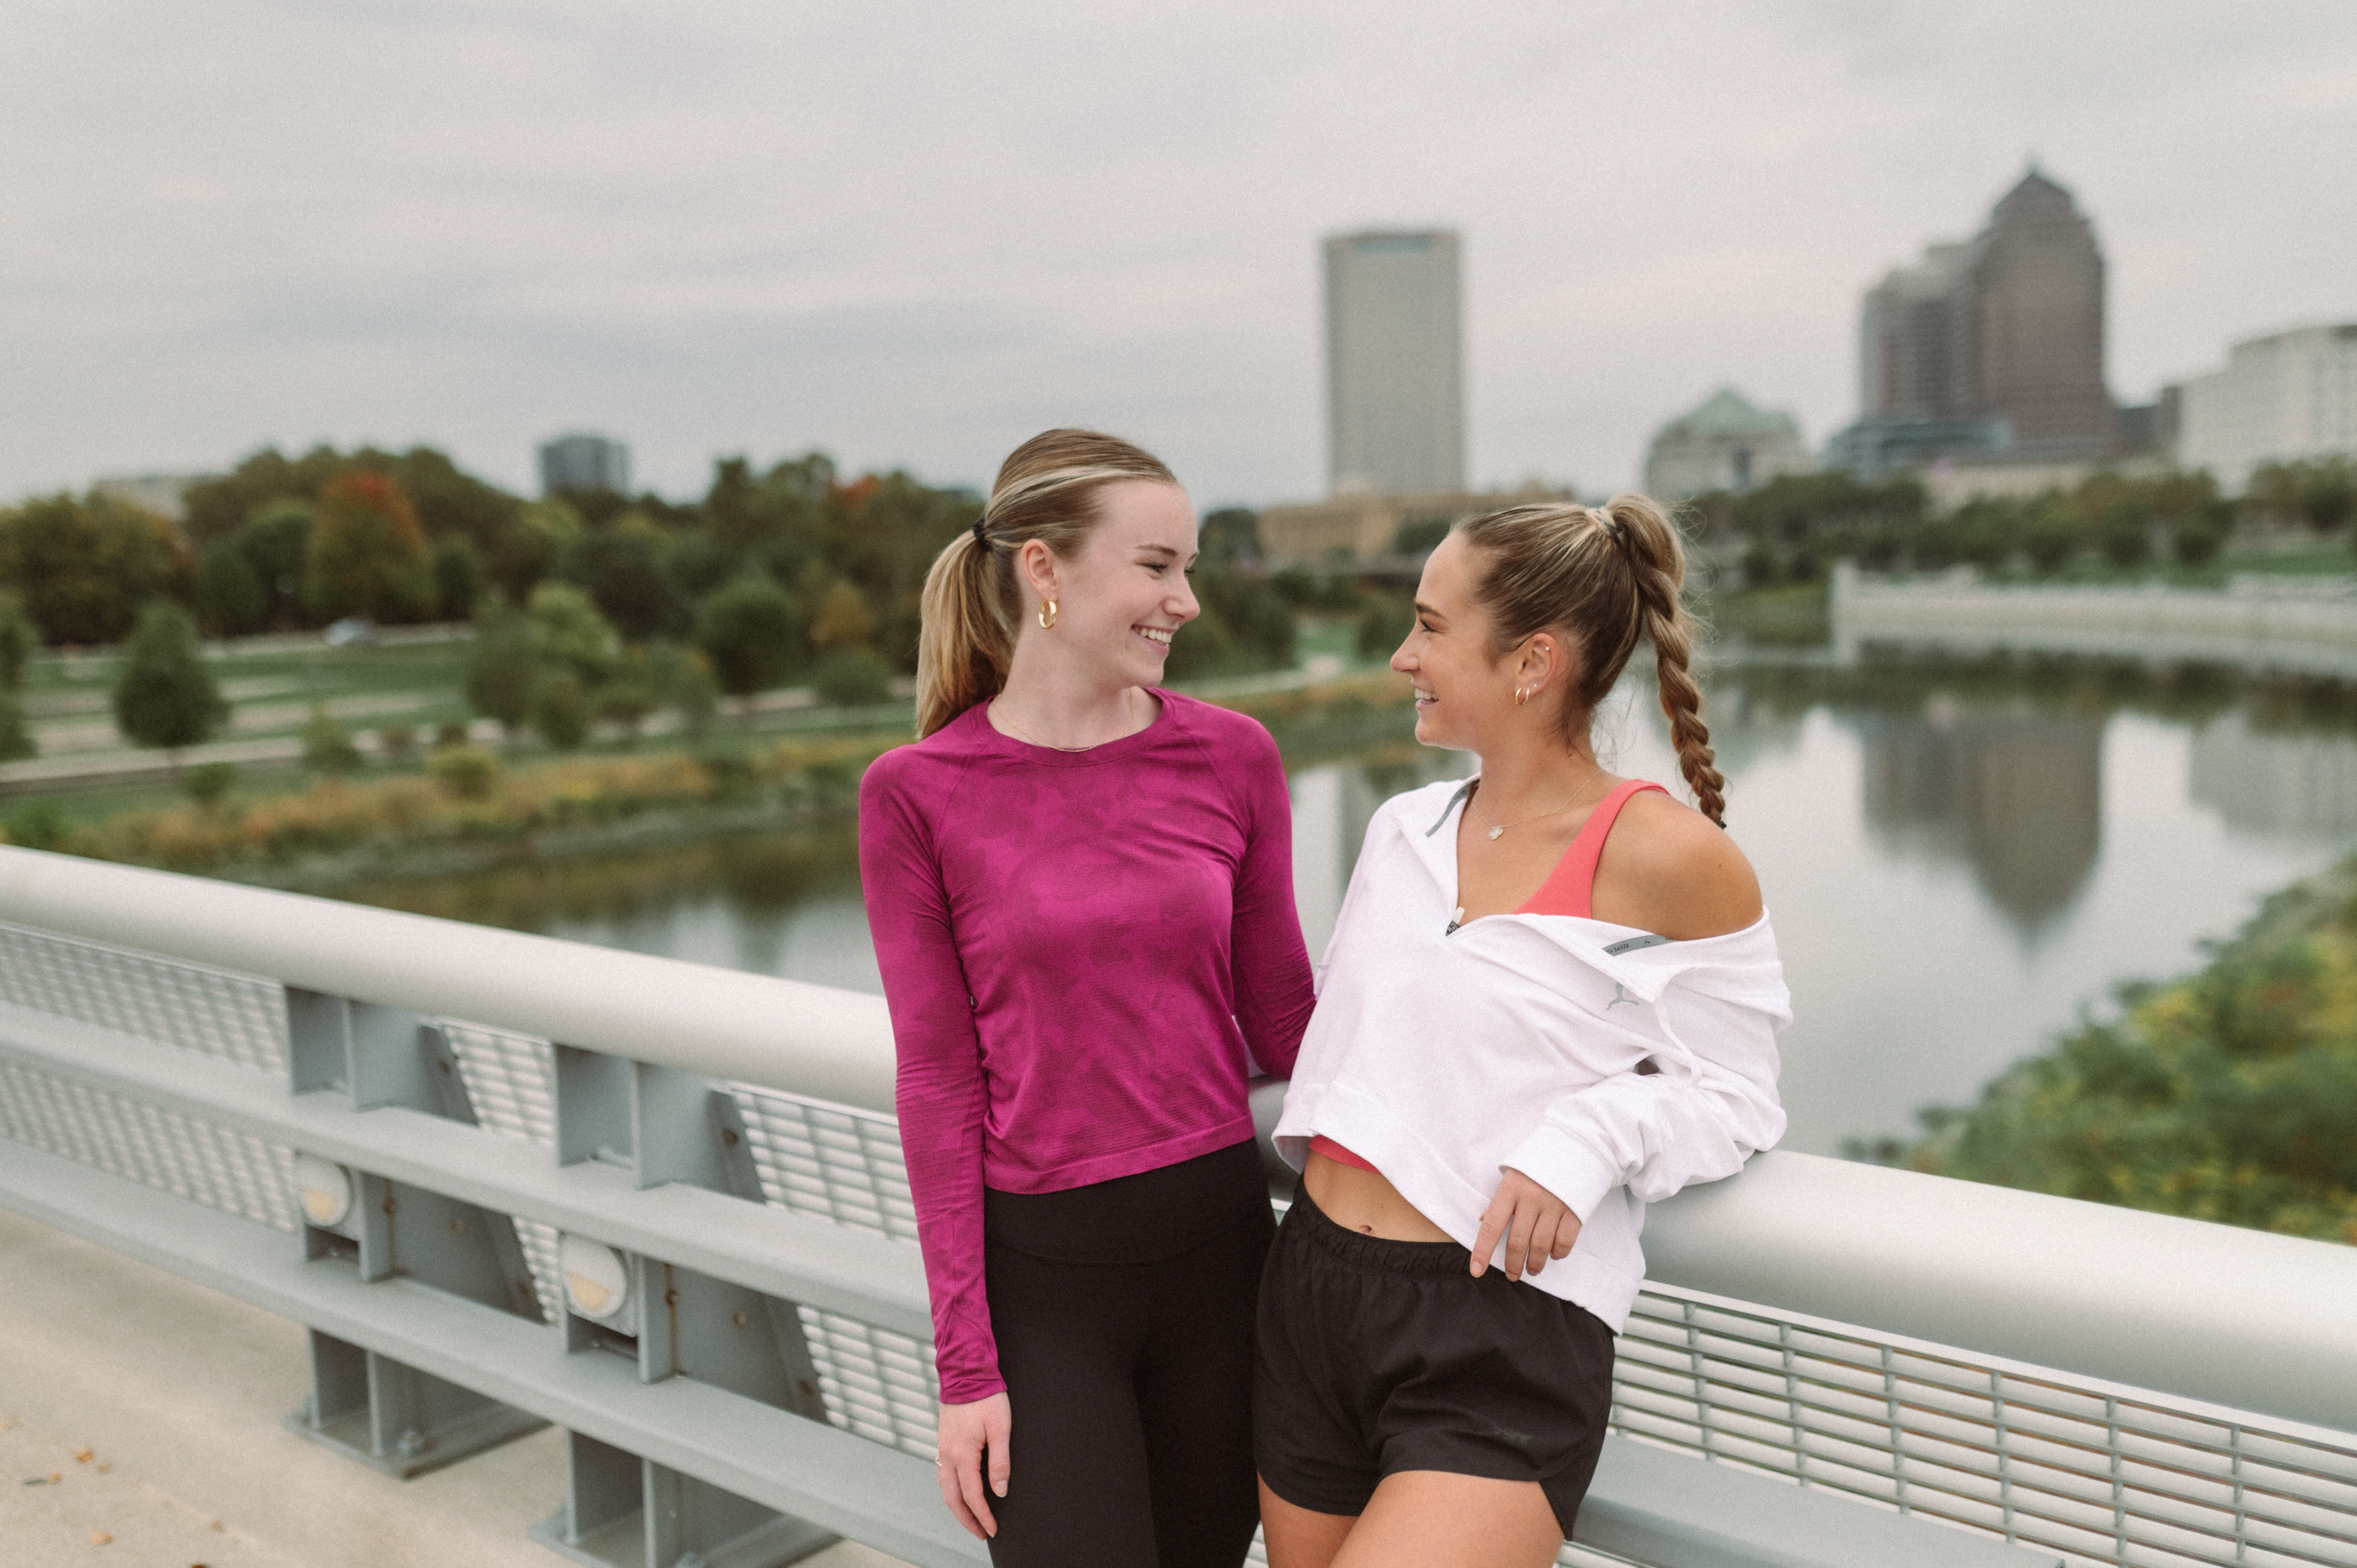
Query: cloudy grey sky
[{"x": 915, "y": 234}]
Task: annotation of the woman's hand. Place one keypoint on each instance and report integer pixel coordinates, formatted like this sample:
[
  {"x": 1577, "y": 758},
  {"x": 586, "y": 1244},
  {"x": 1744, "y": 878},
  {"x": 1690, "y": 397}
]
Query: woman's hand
[
  {"x": 1536, "y": 1224},
  {"x": 968, "y": 1433}
]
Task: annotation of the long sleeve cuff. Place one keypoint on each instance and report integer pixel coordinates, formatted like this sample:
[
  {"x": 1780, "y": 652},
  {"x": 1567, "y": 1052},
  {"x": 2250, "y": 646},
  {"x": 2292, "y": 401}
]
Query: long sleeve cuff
[{"x": 1566, "y": 1167}]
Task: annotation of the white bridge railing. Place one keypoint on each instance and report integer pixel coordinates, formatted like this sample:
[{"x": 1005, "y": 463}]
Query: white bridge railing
[{"x": 506, "y": 1180}]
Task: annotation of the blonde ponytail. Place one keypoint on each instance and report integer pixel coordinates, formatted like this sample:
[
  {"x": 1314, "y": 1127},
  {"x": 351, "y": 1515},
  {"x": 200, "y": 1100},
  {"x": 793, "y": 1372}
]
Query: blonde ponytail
[
  {"x": 1607, "y": 578},
  {"x": 1047, "y": 490}
]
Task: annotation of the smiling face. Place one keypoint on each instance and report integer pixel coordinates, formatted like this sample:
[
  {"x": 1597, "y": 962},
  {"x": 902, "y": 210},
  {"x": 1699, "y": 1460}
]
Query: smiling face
[
  {"x": 1464, "y": 690},
  {"x": 1119, "y": 602}
]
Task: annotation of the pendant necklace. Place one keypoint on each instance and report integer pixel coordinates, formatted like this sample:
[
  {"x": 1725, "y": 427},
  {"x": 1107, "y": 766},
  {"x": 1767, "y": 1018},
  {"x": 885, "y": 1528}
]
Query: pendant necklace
[{"x": 1498, "y": 832}]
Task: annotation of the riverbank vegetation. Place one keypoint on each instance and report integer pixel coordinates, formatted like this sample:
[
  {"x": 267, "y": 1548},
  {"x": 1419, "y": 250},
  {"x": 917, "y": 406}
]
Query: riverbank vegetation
[
  {"x": 588, "y": 608},
  {"x": 2108, "y": 527},
  {"x": 2229, "y": 1094},
  {"x": 458, "y": 804}
]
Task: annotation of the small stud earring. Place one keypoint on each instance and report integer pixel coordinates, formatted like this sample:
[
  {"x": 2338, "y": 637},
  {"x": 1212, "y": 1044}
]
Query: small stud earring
[{"x": 1046, "y": 614}]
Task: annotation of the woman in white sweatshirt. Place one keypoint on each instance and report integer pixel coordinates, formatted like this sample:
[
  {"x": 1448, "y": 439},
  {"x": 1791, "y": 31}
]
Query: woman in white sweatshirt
[{"x": 1551, "y": 997}]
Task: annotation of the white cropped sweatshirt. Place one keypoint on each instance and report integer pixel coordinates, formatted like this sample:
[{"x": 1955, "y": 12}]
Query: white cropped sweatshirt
[{"x": 1444, "y": 1059}]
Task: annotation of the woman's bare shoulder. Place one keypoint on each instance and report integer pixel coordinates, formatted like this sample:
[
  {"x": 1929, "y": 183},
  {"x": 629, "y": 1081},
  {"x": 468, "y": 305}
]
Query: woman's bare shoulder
[{"x": 1670, "y": 870}]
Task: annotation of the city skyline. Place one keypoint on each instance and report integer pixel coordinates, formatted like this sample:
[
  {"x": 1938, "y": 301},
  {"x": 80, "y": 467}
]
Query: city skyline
[{"x": 953, "y": 233}]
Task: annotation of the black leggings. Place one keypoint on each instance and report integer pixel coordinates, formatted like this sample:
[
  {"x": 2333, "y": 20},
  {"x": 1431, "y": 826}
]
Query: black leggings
[{"x": 1123, "y": 1312}]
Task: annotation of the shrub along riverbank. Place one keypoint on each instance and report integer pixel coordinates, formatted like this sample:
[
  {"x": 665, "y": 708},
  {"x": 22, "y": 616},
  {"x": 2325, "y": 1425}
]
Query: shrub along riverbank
[
  {"x": 469, "y": 806},
  {"x": 2228, "y": 1094}
]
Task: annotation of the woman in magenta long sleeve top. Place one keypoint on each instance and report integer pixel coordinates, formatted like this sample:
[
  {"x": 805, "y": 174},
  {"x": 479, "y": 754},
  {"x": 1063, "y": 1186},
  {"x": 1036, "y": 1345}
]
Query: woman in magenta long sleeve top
[{"x": 1081, "y": 890}]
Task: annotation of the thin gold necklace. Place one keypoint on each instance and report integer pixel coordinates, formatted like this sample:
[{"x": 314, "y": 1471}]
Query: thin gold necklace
[
  {"x": 1499, "y": 832},
  {"x": 1025, "y": 736}
]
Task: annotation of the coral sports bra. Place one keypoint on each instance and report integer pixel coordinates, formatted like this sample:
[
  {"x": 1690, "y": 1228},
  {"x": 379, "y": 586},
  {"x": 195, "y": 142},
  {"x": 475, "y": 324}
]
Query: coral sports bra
[{"x": 1569, "y": 889}]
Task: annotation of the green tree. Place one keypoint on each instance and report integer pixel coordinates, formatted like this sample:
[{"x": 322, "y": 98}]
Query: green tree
[
  {"x": 2196, "y": 537},
  {"x": 851, "y": 676},
  {"x": 629, "y": 694},
  {"x": 2327, "y": 497},
  {"x": 15, "y": 738},
  {"x": 622, "y": 565},
  {"x": 529, "y": 545},
  {"x": 18, "y": 638},
  {"x": 460, "y": 578},
  {"x": 164, "y": 696},
  {"x": 500, "y": 667},
  {"x": 326, "y": 745},
  {"x": 1383, "y": 625},
  {"x": 560, "y": 710},
  {"x": 230, "y": 599},
  {"x": 751, "y": 631},
  {"x": 85, "y": 566},
  {"x": 2124, "y": 532},
  {"x": 368, "y": 554},
  {"x": 275, "y": 541},
  {"x": 689, "y": 687},
  {"x": 209, "y": 783},
  {"x": 844, "y": 619},
  {"x": 219, "y": 507},
  {"x": 569, "y": 635},
  {"x": 1230, "y": 537}
]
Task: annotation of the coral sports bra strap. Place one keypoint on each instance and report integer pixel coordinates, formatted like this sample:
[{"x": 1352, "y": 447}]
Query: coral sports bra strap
[{"x": 1570, "y": 888}]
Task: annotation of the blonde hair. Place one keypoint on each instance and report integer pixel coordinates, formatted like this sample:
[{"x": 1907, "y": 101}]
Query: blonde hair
[
  {"x": 1047, "y": 490},
  {"x": 1604, "y": 577}
]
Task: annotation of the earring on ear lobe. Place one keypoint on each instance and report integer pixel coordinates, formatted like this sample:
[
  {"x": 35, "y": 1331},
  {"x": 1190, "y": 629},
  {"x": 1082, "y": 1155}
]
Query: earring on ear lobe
[
  {"x": 1522, "y": 695},
  {"x": 1046, "y": 614}
]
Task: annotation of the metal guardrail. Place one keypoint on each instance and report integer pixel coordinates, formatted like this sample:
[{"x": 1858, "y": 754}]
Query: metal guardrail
[{"x": 715, "y": 1151}]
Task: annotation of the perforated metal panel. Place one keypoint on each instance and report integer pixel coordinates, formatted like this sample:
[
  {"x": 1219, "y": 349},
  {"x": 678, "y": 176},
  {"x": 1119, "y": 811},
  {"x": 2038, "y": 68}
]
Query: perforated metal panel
[
  {"x": 511, "y": 1080},
  {"x": 193, "y": 1007},
  {"x": 199, "y": 1161},
  {"x": 2097, "y": 1473},
  {"x": 828, "y": 1160}
]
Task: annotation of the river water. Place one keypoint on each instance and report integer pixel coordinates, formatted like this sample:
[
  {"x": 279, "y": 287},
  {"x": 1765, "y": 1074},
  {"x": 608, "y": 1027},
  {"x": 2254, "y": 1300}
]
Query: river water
[{"x": 1960, "y": 857}]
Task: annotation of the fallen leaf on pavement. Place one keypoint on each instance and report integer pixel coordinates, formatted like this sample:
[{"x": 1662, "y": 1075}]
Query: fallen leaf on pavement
[
  {"x": 99, "y": 1538},
  {"x": 83, "y": 1455}
]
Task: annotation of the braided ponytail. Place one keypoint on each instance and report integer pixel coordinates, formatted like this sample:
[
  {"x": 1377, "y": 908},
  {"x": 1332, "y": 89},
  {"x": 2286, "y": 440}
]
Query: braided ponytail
[
  {"x": 1659, "y": 562},
  {"x": 1607, "y": 578}
]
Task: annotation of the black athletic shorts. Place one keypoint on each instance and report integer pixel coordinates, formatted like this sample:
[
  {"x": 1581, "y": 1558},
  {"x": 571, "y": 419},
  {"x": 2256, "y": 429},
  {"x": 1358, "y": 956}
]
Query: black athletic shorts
[{"x": 1377, "y": 1356}]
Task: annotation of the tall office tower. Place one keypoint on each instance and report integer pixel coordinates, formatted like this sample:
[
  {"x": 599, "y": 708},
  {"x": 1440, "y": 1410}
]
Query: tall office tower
[
  {"x": 584, "y": 462},
  {"x": 1992, "y": 346},
  {"x": 2037, "y": 320},
  {"x": 1394, "y": 363}
]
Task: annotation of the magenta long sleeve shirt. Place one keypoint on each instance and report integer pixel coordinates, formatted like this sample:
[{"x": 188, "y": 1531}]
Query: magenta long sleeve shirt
[{"x": 1086, "y": 955}]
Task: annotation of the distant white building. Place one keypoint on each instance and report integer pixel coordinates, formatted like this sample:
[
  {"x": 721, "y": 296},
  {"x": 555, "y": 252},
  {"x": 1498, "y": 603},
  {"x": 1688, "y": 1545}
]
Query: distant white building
[
  {"x": 2281, "y": 397},
  {"x": 1394, "y": 364},
  {"x": 165, "y": 495},
  {"x": 1726, "y": 443},
  {"x": 580, "y": 461}
]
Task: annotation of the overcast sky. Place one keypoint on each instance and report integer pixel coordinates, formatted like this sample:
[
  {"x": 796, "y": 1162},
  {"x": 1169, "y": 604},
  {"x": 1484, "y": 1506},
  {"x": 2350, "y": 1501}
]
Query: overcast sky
[{"x": 915, "y": 234}]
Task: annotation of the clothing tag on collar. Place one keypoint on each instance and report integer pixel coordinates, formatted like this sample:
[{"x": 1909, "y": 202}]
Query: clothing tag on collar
[{"x": 1631, "y": 944}]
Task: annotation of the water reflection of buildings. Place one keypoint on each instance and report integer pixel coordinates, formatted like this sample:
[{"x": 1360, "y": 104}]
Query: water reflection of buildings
[
  {"x": 2297, "y": 784},
  {"x": 2019, "y": 796}
]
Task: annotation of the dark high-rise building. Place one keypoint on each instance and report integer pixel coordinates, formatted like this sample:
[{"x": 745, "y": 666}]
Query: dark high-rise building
[
  {"x": 584, "y": 462},
  {"x": 1989, "y": 346}
]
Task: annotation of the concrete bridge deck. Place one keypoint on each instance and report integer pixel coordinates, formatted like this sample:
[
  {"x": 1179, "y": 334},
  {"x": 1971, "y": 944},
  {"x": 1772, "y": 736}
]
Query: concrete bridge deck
[{"x": 179, "y": 1391}]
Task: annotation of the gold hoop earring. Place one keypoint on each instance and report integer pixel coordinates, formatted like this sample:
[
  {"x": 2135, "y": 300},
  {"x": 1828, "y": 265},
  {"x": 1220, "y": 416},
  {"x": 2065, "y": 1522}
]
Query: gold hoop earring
[
  {"x": 1522, "y": 695},
  {"x": 1046, "y": 614}
]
